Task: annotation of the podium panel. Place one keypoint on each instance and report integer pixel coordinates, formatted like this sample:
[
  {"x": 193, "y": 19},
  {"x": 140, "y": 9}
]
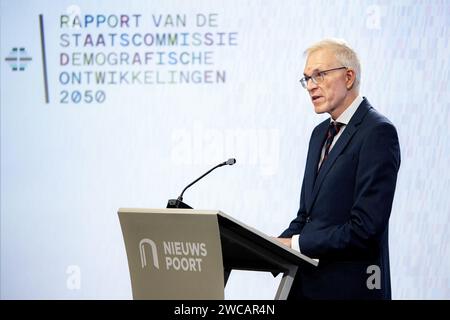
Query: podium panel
[
  {"x": 173, "y": 255},
  {"x": 189, "y": 254}
]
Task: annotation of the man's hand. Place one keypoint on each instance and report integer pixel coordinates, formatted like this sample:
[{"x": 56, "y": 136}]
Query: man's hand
[{"x": 285, "y": 241}]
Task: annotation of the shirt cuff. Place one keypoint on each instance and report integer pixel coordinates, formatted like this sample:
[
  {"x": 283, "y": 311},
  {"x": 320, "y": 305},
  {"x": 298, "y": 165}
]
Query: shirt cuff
[{"x": 294, "y": 243}]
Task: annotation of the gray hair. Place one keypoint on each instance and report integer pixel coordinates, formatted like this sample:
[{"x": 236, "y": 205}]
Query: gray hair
[{"x": 343, "y": 52}]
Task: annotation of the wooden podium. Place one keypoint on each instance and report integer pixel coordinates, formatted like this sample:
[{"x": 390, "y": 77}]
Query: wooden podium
[{"x": 189, "y": 254}]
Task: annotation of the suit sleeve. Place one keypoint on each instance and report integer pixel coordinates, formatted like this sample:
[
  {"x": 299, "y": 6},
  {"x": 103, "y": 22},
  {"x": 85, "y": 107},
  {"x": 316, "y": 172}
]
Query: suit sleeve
[
  {"x": 297, "y": 224},
  {"x": 376, "y": 176}
]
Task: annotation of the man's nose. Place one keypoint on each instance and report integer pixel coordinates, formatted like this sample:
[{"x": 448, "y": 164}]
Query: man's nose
[{"x": 310, "y": 85}]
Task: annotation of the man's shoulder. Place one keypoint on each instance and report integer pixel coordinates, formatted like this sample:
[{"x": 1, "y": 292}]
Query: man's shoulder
[
  {"x": 374, "y": 118},
  {"x": 377, "y": 127}
]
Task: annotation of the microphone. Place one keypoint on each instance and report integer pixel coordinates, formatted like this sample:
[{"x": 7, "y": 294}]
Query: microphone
[{"x": 178, "y": 203}]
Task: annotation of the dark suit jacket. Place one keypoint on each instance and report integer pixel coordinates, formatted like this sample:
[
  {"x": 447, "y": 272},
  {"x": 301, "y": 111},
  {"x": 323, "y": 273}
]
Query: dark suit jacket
[{"x": 345, "y": 208}]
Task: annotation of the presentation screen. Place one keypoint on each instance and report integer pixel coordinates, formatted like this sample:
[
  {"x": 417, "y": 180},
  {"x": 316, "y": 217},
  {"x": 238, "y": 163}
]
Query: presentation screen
[{"x": 112, "y": 104}]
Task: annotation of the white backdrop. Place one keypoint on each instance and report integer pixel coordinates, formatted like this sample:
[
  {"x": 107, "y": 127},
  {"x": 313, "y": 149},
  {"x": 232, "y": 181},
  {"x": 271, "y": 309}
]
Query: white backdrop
[{"x": 69, "y": 164}]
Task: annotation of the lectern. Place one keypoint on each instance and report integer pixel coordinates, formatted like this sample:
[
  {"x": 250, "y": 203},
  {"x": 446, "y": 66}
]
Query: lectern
[{"x": 189, "y": 254}]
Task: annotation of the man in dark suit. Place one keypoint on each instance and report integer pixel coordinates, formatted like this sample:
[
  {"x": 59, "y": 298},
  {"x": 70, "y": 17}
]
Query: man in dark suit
[{"x": 348, "y": 185}]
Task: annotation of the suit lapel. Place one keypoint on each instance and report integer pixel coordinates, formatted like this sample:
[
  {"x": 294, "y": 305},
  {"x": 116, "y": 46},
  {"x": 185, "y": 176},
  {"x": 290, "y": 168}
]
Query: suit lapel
[
  {"x": 340, "y": 145},
  {"x": 312, "y": 162}
]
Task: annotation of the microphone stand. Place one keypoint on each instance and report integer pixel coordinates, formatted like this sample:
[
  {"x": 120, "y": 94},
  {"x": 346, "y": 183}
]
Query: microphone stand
[{"x": 178, "y": 203}]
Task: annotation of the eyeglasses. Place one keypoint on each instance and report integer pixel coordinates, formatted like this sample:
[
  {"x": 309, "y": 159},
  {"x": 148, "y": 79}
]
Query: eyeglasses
[{"x": 317, "y": 77}]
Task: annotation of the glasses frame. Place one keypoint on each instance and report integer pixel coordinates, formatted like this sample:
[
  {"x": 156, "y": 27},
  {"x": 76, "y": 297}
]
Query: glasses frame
[{"x": 317, "y": 75}]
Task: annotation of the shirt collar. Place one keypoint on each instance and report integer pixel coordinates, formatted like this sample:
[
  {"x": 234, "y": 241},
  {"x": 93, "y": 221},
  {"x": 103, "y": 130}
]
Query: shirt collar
[{"x": 350, "y": 111}]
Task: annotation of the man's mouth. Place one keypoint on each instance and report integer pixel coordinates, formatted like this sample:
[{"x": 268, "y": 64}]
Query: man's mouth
[{"x": 314, "y": 98}]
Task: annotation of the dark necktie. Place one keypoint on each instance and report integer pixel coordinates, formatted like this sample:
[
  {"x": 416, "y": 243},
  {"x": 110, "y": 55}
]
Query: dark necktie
[{"x": 333, "y": 130}]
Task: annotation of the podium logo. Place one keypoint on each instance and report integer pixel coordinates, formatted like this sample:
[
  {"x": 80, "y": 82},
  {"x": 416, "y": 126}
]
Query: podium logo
[
  {"x": 176, "y": 255},
  {"x": 154, "y": 252}
]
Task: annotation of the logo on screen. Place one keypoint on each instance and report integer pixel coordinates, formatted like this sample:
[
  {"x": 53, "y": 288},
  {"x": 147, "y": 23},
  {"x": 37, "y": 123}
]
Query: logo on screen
[
  {"x": 154, "y": 253},
  {"x": 18, "y": 59}
]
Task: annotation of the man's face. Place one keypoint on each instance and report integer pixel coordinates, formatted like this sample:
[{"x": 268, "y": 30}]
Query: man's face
[{"x": 329, "y": 95}]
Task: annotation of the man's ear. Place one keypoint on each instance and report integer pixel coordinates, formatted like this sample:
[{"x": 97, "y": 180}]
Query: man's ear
[{"x": 350, "y": 78}]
